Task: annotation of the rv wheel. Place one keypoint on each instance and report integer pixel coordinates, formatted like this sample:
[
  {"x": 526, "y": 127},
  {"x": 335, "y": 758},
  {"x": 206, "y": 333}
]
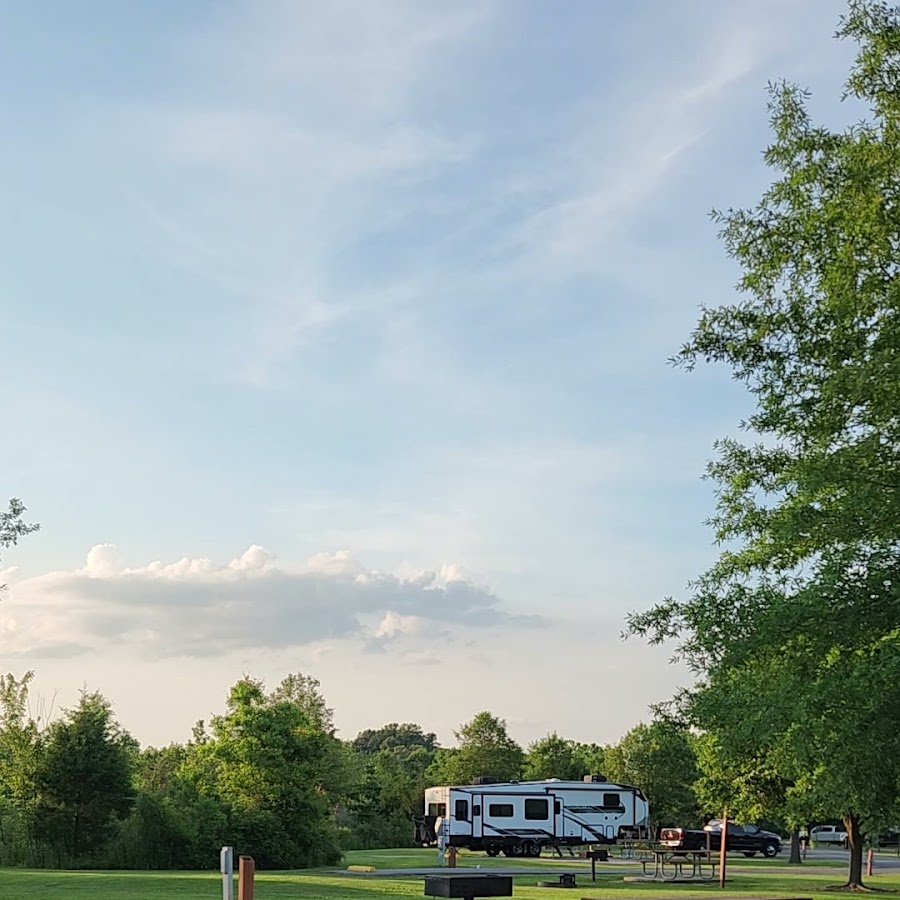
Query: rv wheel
[
  {"x": 491, "y": 851},
  {"x": 532, "y": 848}
]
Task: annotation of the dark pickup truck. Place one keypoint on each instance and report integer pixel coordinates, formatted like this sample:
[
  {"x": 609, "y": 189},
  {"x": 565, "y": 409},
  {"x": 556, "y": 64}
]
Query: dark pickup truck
[{"x": 746, "y": 839}]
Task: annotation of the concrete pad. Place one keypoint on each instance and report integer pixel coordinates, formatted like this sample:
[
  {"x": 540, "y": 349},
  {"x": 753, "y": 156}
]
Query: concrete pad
[{"x": 467, "y": 870}]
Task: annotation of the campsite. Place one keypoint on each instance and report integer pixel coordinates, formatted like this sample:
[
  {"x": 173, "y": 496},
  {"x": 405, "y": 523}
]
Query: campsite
[{"x": 450, "y": 449}]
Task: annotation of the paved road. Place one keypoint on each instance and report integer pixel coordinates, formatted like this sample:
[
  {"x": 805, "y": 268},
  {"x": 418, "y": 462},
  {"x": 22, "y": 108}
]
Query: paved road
[
  {"x": 471, "y": 870},
  {"x": 884, "y": 859}
]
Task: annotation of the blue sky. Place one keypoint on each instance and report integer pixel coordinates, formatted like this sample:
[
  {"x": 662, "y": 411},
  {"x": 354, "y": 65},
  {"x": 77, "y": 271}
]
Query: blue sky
[{"x": 388, "y": 290}]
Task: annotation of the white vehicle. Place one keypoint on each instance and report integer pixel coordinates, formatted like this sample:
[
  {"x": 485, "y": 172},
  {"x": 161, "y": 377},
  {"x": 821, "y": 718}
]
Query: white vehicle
[
  {"x": 521, "y": 818},
  {"x": 828, "y": 834}
]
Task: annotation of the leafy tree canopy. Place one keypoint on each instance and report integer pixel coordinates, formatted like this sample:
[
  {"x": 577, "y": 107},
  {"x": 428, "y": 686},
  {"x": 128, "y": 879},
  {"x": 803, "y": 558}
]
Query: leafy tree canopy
[
  {"x": 485, "y": 748},
  {"x": 794, "y": 631},
  {"x": 12, "y": 527}
]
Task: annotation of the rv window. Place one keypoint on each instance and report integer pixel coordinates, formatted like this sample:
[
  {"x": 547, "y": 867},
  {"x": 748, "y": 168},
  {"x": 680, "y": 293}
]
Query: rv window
[
  {"x": 476, "y": 809},
  {"x": 537, "y": 809},
  {"x": 501, "y": 810},
  {"x": 611, "y": 801},
  {"x": 461, "y": 811},
  {"x": 557, "y": 807},
  {"x": 437, "y": 809}
]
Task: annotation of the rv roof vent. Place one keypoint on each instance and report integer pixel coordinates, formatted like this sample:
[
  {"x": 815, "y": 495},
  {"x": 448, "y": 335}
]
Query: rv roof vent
[
  {"x": 485, "y": 779},
  {"x": 595, "y": 778}
]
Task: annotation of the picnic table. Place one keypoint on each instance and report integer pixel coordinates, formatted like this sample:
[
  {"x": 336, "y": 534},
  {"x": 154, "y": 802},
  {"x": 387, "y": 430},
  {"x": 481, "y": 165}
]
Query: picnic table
[{"x": 669, "y": 865}]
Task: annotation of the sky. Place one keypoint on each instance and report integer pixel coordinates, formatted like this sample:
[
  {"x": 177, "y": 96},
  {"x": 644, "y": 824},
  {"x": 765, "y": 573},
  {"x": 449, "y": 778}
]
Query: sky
[{"x": 335, "y": 340}]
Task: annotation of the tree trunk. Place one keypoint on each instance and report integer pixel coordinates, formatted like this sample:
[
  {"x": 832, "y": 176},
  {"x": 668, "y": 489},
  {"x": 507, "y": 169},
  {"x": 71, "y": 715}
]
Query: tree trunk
[
  {"x": 795, "y": 859},
  {"x": 854, "y": 838}
]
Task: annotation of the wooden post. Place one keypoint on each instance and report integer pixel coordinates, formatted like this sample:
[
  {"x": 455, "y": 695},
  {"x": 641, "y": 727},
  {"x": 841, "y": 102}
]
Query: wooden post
[
  {"x": 246, "y": 871},
  {"x": 870, "y": 856},
  {"x": 451, "y": 857},
  {"x": 723, "y": 849}
]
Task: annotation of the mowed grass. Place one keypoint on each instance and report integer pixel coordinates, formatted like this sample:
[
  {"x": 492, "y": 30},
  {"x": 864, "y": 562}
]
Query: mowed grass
[{"x": 751, "y": 878}]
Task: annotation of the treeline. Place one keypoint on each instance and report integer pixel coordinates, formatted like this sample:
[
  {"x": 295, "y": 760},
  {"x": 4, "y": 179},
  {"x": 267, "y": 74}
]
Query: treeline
[{"x": 271, "y": 777}]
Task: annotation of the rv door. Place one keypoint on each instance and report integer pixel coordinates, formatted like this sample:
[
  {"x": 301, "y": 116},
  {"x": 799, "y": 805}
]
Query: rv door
[
  {"x": 477, "y": 816},
  {"x": 559, "y": 817}
]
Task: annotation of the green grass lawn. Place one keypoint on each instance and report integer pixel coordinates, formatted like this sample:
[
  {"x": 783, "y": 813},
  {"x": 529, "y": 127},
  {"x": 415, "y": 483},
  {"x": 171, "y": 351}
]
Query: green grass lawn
[{"x": 766, "y": 878}]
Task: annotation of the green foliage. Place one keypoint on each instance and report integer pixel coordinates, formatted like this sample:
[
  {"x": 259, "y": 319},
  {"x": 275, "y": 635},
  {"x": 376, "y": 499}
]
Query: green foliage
[
  {"x": 661, "y": 759},
  {"x": 267, "y": 777},
  {"x": 305, "y": 693},
  {"x": 554, "y": 757},
  {"x": 19, "y": 749},
  {"x": 485, "y": 748},
  {"x": 593, "y": 758},
  {"x": 747, "y": 785},
  {"x": 394, "y": 736},
  {"x": 794, "y": 630},
  {"x": 273, "y": 761},
  {"x": 393, "y": 761},
  {"x": 83, "y": 779},
  {"x": 12, "y": 527}
]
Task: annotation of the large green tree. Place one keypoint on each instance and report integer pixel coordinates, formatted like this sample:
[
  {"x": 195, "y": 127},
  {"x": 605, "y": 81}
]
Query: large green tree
[
  {"x": 83, "y": 779},
  {"x": 794, "y": 633},
  {"x": 395, "y": 736},
  {"x": 272, "y": 760},
  {"x": 484, "y": 748},
  {"x": 303, "y": 692},
  {"x": 392, "y": 760},
  {"x": 554, "y": 757},
  {"x": 19, "y": 748},
  {"x": 660, "y": 758}
]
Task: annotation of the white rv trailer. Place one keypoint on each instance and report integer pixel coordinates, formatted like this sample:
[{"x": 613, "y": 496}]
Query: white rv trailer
[{"x": 521, "y": 818}]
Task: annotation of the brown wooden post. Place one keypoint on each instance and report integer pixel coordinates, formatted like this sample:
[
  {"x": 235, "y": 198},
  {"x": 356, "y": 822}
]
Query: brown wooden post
[
  {"x": 246, "y": 871},
  {"x": 723, "y": 849},
  {"x": 451, "y": 857},
  {"x": 869, "y": 860}
]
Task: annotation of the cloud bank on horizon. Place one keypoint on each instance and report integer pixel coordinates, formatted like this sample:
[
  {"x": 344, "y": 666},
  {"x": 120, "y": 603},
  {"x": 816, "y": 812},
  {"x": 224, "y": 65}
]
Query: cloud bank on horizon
[{"x": 196, "y": 608}]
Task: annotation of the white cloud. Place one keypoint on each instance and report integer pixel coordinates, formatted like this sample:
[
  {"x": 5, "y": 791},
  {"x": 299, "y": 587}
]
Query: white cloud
[
  {"x": 394, "y": 624},
  {"x": 341, "y": 562},
  {"x": 194, "y": 607},
  {"x": 103, "y": 560}
]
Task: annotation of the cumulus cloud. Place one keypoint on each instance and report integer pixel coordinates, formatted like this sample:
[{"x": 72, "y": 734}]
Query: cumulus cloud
[{"x": 196, "y": 607}]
